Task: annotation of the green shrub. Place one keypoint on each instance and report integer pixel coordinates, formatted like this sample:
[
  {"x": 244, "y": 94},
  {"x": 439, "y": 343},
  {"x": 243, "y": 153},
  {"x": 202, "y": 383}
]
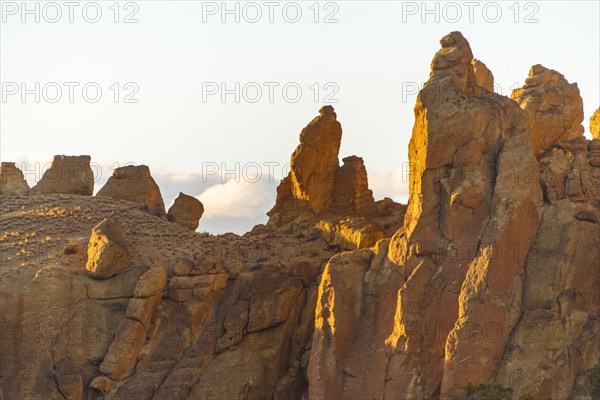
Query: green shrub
[
  {"x": 594, "y": 377},
  {"x": 489, "y": 391},
  {"x": 485, "y": 391}
]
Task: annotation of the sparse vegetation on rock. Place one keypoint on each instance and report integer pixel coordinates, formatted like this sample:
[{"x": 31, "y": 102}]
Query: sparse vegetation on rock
[{"x": 490, "y": 273}]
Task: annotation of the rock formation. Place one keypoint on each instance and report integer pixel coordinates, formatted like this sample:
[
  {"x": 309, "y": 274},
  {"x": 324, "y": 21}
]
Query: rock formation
[
  {"x": 315, "y": 160},
  {"x": 135, "y": 184},
  {"x": 463, "y": 268},
  {"x": 594, "y": 153},
  {"x": 342, "y": 208},
  {"x": 351, "y": 233},
  {"x": 483, "y": 75},
  {"x": 492, "y": 271},
  {"x": 554, "y": 108},
  {"x": 107, "y": 251},
  {"x": 186, "y": 211},
  {"x": 67, "y": 174},
  {"x": 351, "y": 194},
  {"x": 12, "y": 181},
  {"x": 595, "y": 124}
]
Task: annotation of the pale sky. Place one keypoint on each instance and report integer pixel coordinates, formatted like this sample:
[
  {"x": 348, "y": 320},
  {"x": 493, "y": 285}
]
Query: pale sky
[{"x": 367, "y": 61}]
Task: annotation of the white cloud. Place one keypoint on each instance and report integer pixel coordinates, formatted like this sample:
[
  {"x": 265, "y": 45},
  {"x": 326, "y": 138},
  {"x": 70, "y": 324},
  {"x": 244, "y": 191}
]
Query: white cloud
[
  {"x": 394, "y": 184},
  {"x": 243, "y": 199},
  {"x": 230, "y": 206}
]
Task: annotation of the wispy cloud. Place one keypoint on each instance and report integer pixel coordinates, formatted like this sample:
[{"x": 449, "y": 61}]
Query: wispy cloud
[
  {"x": 233, "y": 205},
  {"x": 238, "y": 199},
  {"x": 393, "y": 184}
]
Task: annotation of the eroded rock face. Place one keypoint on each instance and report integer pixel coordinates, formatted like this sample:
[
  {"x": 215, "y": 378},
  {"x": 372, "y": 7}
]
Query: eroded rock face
[
  {"x": 12, "y": 181},
  {"x": 188, "y": 306},
  {"x": 135, "y": 184},
  {"x": 595, "y": 124},
  {"x": 107, "y": 251},
  {"x": 558, "y": 332},
  {"x": 491, "y": 293},
  {"x": 308, "y": 188},
  {"x": 351, "y": 194},
  {"x": 495, "y": 274},
  {"x": 351, "y": 233},
  {"x": 130, "y": 337},
  {"x": 186, "y": 211},
  {"x": 483, "y": 75},
  {"x": 67, "y": 174},
  {"x": 315, "y": 160},
  {"x": 459, "y": 267},
  {"x": 338, "y": 193},
  {"x": 594, "y": 153},
  {"x": 554, "y": 108}
]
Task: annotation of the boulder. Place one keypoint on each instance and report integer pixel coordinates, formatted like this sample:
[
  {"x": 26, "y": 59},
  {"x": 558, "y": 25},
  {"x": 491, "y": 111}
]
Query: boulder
[
  {"x": 67, "y": 174},
  {"x": 135, "y": 184},
  {"x": 186, "y": 211},
  {"x": 107, "y": 251},
  {"x": 554, "y": 108},
  {"x": 12, "y": 181}
]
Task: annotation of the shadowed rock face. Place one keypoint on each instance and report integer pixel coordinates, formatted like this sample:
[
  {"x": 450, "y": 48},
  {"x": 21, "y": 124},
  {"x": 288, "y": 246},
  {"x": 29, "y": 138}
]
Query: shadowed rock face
[
  {"x": 12, "y": 181},
  {"x": 135, "y": 184},
  {"x": 68, "y": 175},
  {"x": 492, "y": 273}
]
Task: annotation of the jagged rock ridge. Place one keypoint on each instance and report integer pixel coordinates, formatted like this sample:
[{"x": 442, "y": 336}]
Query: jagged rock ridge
[
  {"x": 493, "y": 272},
  {"x": 476, "y": 253}
]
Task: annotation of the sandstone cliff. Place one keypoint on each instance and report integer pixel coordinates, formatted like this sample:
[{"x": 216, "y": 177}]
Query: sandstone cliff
[
  {"x": 134, "y": 183},
  {"x": 319, "y": 195},
  {"x": 483, "y": 261},
  {"x": 12, "y": 181},
  {"x": 491, "y": 272},
  {"x": 67, "y": 174}
]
